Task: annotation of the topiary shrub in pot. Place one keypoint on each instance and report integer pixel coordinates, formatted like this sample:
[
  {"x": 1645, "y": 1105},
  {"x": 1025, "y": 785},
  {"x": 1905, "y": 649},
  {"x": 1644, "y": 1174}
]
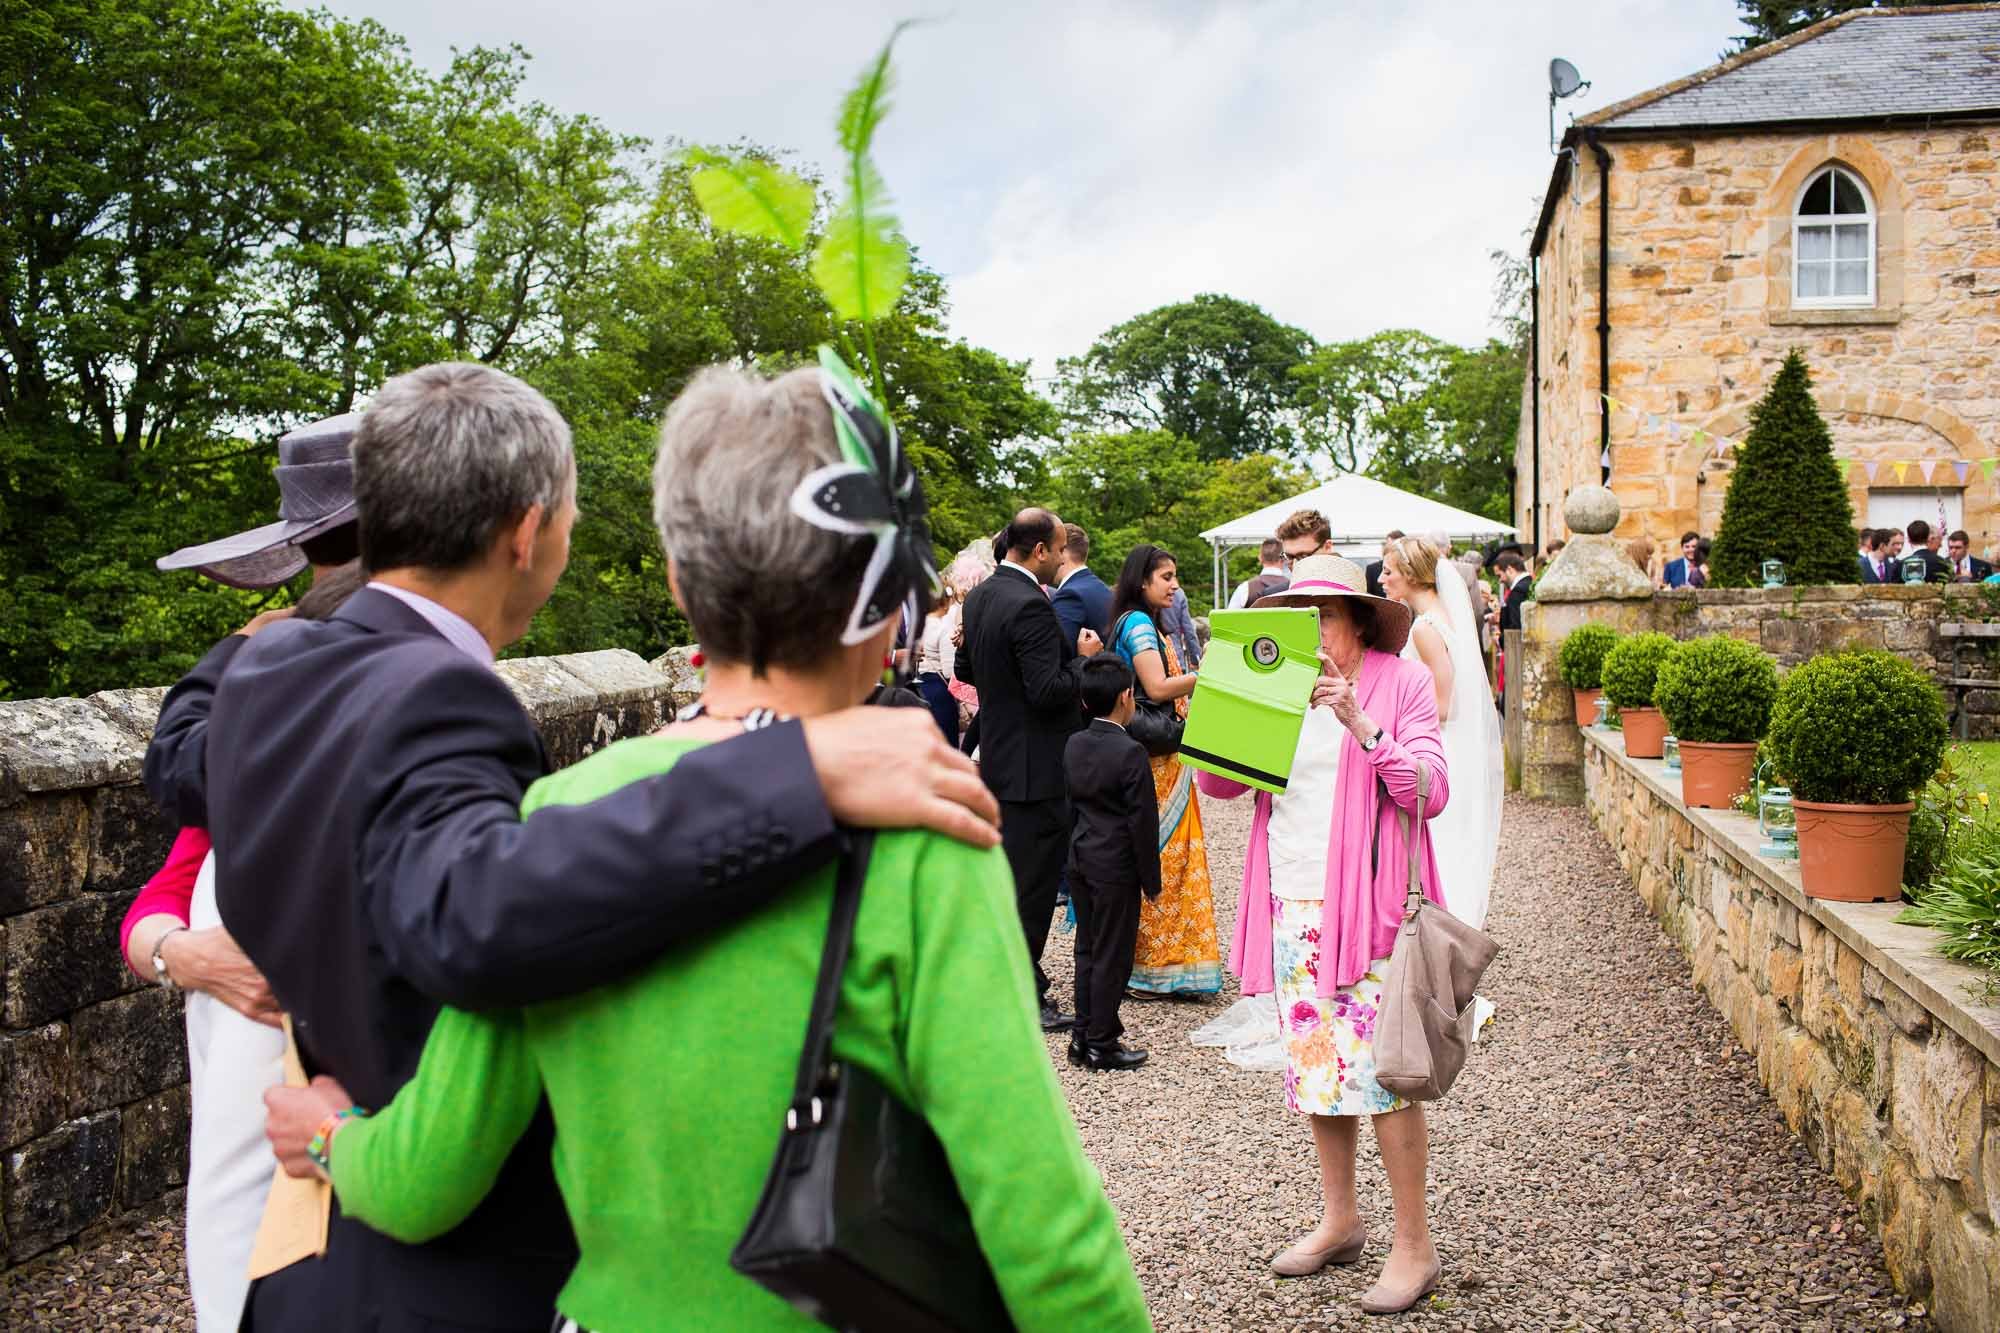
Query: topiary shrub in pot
[
  {"x": 1580, "y": 663},
  {"x": 1855, "y": 735},
  {"x": 1630, "y": 669},
  {"x": 1716, "y": 693}
]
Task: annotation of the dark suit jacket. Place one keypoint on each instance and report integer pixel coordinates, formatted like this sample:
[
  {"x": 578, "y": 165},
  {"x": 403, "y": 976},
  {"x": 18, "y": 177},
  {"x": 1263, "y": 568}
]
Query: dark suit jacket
[
  {"x": 1014, "y": 657},
  {"x": 1373, "y": 575},
  {"x": 363, "y": 786},
  {"x": 1937, "y": 569},
  {"x": 1865, "y": 567},
  {"x": 1980, "y": 569},
  {"x": 1115, "y": 840},
  {"x": 1510, "y": 610},
  {"x": 1083, "y": 602}
]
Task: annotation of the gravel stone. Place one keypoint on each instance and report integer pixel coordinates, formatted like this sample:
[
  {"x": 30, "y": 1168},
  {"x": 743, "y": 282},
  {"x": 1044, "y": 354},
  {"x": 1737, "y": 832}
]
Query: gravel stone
[{"x": 1607, "y": 1160}]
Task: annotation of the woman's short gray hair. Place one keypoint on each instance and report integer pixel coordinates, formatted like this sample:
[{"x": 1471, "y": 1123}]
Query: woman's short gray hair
[
  {"x": 759, "y": 584},
  {"x": 447, "y": 455}
]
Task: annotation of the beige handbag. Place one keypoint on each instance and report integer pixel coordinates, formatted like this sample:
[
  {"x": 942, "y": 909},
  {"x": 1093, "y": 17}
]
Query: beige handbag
[{"x": 1426, "y": 1019}]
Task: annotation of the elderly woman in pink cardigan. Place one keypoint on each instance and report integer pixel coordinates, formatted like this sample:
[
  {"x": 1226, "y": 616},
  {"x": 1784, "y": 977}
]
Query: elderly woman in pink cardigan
[{"x": 1323, "y": 890}]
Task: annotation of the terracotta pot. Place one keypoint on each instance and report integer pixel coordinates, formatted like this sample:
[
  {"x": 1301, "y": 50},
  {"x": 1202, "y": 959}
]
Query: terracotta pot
[
  {"x": 1586, "y": 706},
  {"x": 1645, "y": 732},
  {"x": 1852, "y": 853},
  {"x": 1715, "y": 773}
]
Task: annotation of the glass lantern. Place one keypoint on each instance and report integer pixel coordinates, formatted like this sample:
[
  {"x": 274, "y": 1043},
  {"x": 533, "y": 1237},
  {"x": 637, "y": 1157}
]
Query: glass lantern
[
  {"x": 1603, "y": 713},
  {"x": 1774, "y": 573},
  {"x": 1913, "y": 571},
  {"x": 1778, "y": 823},
  {"x": 1670, "y": 754}
]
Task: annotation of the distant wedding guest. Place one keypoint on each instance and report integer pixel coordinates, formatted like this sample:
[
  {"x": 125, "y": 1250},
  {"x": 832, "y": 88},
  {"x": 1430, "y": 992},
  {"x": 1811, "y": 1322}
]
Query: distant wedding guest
[
  {"x": 1304, "y": 532},
  {"x": 668, "y": 1086},
  {"x": 1374, "y": 570},
  {"x": 1924, "y": 542},
  {"x": 1965, "y": 566},
  {"x": 931, "y": 652},
  {"x": 1177, "y": 621},
  {"x": 1676, "y": 571},
  {"x": 1867, "y": 563},
  {"x": 967, "y": 571},
  {"x": 1698, "y": 576},
  {"x": 1177, "y": 951},
  {"x": 1641, "y": 551},
  {"x": 1894, "y": 543},
  {"x": 1272, "y": 574},
  {"x": 1324, "y": 883},
  {"x": 1080, "y": 598},
  {"x": 1114, "y": 860}
]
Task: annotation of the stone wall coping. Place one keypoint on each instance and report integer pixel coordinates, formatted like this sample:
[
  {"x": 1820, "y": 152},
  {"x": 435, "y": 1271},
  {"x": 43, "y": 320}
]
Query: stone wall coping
[
  {"x": 1834, "y": 592},
  {"x": 1906, "y": 955}
]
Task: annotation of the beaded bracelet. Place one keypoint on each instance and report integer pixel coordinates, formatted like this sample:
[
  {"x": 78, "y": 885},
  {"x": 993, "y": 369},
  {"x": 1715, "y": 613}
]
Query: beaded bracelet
[{"x": 322, "y": 1139}]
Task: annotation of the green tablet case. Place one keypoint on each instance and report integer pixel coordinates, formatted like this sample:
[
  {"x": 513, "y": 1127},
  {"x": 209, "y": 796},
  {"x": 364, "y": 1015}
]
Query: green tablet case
[{"x": 1251, "y": 695}]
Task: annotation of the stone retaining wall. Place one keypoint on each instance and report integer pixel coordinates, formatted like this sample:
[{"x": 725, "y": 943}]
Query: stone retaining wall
[
  {"x": 1878, "y": 1051},
  {"x": 93, "y": 1064},
  {"x": 1792, "y": 624}
]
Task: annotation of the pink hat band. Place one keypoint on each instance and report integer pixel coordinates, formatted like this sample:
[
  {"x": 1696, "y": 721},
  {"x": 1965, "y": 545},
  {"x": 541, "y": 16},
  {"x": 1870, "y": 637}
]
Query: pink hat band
[{"x": 1309, "y": 586}]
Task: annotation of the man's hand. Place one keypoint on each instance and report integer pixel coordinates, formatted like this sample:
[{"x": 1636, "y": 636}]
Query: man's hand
[
  {"x": 958, "y": 635},
  {"x": 211, "y": 962},
  {"x": 891, "y": 768},
  {"x": 293, "y": 1115},
  {"x": 263, "y": 618},
  {"x": 1088, "y": 644}
]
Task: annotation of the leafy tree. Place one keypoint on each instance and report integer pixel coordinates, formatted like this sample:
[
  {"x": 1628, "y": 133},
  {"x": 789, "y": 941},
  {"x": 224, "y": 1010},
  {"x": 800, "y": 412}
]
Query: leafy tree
[
  {"x": 1357, "y": 396},
  {"x": 1786, "y": 499},
  {"x": 1768, "y": 20},
  {"x": 1215, "y": 371}
]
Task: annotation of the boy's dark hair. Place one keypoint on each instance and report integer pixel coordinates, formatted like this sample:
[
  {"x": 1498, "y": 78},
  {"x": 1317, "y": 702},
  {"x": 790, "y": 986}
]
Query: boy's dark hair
[{"x": 1100, "y": 681}]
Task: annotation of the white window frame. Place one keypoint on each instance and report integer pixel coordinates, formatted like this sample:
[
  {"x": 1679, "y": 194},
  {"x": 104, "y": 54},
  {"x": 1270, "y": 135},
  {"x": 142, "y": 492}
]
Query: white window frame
[{"x": 1830, "y": 222}]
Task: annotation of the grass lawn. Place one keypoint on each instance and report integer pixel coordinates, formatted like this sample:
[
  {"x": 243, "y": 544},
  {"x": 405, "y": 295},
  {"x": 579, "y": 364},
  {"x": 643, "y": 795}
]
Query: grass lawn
[{"x": 1979, "y": 761}]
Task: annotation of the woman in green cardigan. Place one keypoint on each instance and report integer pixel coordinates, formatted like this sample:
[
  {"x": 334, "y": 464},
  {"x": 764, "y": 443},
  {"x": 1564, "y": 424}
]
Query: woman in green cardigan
[{"x": 669, "y": 1087}]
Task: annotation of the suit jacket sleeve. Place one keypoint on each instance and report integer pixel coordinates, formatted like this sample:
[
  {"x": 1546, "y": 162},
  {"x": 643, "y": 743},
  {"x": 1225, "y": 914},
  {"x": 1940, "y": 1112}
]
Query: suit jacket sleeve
[
  {"x": 176, "y": 770},
  {"x": 478, "y": 907},
  {"x": 1145, "y": 818},
  {"x": 1048, "y": 675}
]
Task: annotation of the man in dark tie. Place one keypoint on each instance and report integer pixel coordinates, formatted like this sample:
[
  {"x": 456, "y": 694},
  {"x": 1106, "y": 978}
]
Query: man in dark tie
[
  {"x": 362, "y": 781},
  {"x": 1081, "y": 599},
  {"x": 1026, "y": 676},
  {"x": 1867, "y": 563},
  {"x": 1965, "y": 566}
]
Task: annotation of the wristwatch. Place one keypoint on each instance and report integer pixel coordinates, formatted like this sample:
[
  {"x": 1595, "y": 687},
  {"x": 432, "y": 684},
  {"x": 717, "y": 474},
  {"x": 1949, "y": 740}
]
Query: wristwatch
[
  {"x": 160, "y": 964},
  {"x": 1373, "y": 741}
]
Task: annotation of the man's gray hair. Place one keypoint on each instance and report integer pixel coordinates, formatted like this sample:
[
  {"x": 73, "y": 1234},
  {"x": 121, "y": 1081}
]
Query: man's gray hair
[
  {"x": 759, "y": 584},
  {"x": 448, "y": 455}
]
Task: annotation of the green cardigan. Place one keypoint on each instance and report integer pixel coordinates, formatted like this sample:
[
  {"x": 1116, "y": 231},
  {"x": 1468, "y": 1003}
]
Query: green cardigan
[{"x": 669, "y": 1090}]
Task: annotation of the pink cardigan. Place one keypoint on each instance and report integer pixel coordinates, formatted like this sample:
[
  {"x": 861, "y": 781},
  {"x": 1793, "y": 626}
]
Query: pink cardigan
[
  {"x": 171, "y": 889},
  {"x": 1364, "y": 896}
]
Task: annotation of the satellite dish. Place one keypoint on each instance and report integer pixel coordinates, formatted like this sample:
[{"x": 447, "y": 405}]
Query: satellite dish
[{"x": 1564, "y": 81}]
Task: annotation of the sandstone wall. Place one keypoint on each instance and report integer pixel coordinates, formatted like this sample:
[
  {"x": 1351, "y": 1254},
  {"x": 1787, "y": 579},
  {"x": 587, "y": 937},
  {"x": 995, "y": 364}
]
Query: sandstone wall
[
  {"x": 1792, "y": 624},
  {"x": 93, "y": 1064},
  {"x": 1867, "y": 1040},
  {"x": 1701, "y": 317}
]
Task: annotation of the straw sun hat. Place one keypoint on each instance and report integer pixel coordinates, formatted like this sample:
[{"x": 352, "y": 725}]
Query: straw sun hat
[{"x": 1321, "y": 578}]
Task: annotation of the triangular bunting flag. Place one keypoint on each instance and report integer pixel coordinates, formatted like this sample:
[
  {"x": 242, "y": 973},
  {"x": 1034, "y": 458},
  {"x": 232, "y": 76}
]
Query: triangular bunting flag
[
  {"x": 1988, "y": 464},
  {"x": 1652, "y": 421},
  {"x": 1960, "y": 470},
  {"x": 1674, "y": 431},
  {"x": 1699, "y": 435},
  {"x": 1604, "y": 459},
  {"x": 1721, "y": 448},
  {"x": 1869, "y": 469},
  {"x": 1925, "y": 469},
  {"x": 1599, "y": 406},
  {"x": 1841, "y": 464},
  {"x": 1902, "y": 471}
]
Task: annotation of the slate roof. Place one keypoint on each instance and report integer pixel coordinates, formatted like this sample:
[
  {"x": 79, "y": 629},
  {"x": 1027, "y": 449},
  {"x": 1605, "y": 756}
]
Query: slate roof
[{"x": 1863, "y": 65}]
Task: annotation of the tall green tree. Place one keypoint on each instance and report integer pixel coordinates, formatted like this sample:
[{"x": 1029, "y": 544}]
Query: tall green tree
[
  {"x": 1786, "y": 498},
  {"x": 1214, "y": 370},
  {"x": 1768, "y": 20}
]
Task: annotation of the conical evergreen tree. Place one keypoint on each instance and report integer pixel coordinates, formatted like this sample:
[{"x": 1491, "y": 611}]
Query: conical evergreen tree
[{"x": 1786, "y": 500}]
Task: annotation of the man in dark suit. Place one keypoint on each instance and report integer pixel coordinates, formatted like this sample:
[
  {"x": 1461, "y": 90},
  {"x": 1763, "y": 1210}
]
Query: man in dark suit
[
  {"x": 1866, "y": 563},
  {"x": 1015, "y": 657},
  {"x": 362, "y": 782},
  {"x": 1373, "y": 573},
  {"x": 1923, "y": 551},
  {"x": 1513, "y": 572},
  {"x": 1081, "y": 599},
  {"x": 1680, "y": 572},
  {"x": 1965, "y": 566},
  {"x": 1114, "y": 856}
]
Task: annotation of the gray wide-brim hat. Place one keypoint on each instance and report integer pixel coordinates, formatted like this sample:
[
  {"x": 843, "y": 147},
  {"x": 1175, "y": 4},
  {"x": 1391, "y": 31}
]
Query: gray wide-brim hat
[{"x": 316, "y": 495}]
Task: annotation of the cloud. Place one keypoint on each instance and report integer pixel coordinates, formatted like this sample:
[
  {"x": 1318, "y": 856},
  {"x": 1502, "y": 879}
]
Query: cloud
[{"x": 1067, "y": 166}]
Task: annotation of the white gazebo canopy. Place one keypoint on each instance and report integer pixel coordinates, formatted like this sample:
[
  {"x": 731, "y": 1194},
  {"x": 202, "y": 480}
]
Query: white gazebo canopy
[{"x": 1361, "y": 511}]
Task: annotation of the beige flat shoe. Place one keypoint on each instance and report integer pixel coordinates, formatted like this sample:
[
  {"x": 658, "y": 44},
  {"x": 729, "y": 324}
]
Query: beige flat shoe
[
  {"x": 1296, "y": 1262},
  {"x": 1387, "y": 1300}
]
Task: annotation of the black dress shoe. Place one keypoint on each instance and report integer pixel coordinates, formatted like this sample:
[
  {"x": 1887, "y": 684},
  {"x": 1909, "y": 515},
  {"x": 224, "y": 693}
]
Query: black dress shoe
[
  {"x": 1078, "y": 1056},
  {"x": 1054, "y": 1019},
  {"x": 1114, "y": 1057}
]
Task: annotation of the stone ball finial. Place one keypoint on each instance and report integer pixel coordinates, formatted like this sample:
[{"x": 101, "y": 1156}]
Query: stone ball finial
[{"x": 1591, "y": 510}]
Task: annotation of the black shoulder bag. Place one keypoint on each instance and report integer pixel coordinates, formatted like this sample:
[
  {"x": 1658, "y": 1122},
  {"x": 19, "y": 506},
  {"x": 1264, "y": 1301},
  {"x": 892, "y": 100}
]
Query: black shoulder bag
[
  {"x": 1154, "y": 725},
  {"x": 861, "y": 1225}
]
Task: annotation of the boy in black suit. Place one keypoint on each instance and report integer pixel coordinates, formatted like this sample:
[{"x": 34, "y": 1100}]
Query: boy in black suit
[{"x": 1114, "y": 856}]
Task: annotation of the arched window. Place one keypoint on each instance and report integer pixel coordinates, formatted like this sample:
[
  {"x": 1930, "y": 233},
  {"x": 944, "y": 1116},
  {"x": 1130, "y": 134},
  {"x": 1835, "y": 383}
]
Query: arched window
[{"x": 1833, "y": 242}]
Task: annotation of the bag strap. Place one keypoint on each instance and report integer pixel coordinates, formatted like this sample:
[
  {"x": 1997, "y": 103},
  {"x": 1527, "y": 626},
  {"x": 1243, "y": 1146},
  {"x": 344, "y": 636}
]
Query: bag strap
[
  {"x": 814, "y": 1074},
  {"x": 1415, "y": 897}
]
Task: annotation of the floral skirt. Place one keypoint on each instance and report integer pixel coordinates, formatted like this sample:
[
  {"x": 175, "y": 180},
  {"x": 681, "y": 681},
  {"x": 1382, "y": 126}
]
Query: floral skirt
[{"x": 1329, "y": 1040}]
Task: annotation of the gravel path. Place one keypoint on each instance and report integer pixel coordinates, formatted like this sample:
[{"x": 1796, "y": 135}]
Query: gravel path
[{"x": 1608, "y": 1160}]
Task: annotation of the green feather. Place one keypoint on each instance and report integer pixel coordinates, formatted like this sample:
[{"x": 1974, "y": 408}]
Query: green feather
[
  {"x": 865, "y": 106},
  {"x": 862, "y": 263},
  {"x": 753, "y": 197}
]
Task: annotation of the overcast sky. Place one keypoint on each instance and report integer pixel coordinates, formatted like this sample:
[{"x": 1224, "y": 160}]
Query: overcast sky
[{"x": 1346, "y": 165}]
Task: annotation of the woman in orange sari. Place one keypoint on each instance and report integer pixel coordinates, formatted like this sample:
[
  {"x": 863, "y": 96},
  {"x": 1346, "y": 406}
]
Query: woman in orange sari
[{"x": 1178, "y": 953}]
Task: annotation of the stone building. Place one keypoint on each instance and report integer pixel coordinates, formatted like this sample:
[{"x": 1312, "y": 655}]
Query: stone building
[{"x": 1835, "y": 192}]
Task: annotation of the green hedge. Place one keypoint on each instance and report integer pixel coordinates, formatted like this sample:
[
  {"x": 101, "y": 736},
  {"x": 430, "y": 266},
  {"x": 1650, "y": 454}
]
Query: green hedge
[
  {"x": 1717, "y": 689},
  {"x": 1863, "y": 728},
  {"x": 1580, "y": 660},
  {"x": 1631, "y": 667}
]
